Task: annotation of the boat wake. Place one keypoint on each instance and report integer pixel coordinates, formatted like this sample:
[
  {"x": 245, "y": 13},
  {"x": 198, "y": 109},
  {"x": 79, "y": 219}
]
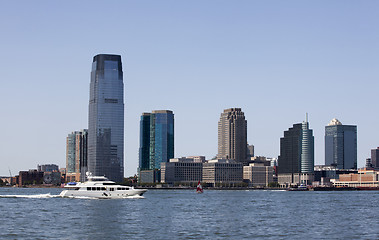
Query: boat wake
[{"x": 48, "y": 195}]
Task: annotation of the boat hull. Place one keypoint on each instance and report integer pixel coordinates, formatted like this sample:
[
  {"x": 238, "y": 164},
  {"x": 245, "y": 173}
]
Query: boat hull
[{"x": 103, "y": 194}]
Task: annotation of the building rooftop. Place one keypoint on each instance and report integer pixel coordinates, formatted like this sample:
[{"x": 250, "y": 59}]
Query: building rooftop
[
  {"x": 334, "y": 122},
  {"x": 162, "y": 111}
]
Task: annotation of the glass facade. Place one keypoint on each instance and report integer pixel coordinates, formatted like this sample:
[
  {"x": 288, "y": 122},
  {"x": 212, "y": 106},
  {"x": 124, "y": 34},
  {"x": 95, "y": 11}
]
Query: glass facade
[
  {"x": 297, "y": 150},
  {"x": 307, "y": 149},
  {"x": 156, "y": 139},
  {"x": 289, "y": 160},
  {"x": 341, "y": 146},
  {"x": 144, "y": 149},
  {"x": 161, "y": 138},
  {"x": 106, "y": 118},
  {"x": 375, "y": 158}
]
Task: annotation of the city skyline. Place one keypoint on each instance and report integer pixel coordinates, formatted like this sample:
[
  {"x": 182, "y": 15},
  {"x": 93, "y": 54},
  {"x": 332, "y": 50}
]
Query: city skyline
[{"x": 257, "y": 56}]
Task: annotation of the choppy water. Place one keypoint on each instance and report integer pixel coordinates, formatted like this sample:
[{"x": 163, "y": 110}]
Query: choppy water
[{"x": 183, "y": 214}]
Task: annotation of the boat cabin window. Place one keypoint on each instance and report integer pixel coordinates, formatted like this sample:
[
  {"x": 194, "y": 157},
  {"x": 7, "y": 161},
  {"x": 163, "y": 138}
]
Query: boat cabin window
[
  {"x": 122, "y": 188},
  {"x": 99, "y": 179},
  {"x": 112, "y": 189}
]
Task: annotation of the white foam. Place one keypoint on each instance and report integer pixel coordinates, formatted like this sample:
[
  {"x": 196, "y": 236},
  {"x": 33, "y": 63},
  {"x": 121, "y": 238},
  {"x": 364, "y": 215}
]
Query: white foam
[
  {"x": 135, "y": 197},
  {"x": 47, "y": 195}
]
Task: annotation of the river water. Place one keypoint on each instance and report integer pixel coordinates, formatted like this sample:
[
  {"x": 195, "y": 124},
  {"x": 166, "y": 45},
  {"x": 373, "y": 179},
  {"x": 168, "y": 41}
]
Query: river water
[{"x": 37, "y": 213}]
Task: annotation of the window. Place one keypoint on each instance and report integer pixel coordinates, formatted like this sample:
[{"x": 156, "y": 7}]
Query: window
[{"x": 110, "y": 100}]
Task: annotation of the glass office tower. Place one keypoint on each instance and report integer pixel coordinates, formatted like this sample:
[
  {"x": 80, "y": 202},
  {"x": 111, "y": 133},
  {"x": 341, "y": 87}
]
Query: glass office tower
[
  {"x": 341, "y": 145},
  {"x": 297, "y": 150},
  {"x": 156, "y": 139},
  {"x": 290, "y": 150},
  {"x": 161, "y": 138},
  {"x": 144, "y": 146},
  {"x": 307, "y": 149},
  {"x": 106, "y": 118}
]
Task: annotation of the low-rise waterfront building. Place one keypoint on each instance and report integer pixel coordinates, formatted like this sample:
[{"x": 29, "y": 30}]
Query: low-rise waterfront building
[
  {"x": 258, "y": 175},
  {"x": 222, "y": 171},
  {"x": 323, "y": 174},
  {"x": 32, "y": 176},
  {"x": 149, "y": 176},
  {"x": 365, "y": 178},
  {"x": 185, "y": 170}
]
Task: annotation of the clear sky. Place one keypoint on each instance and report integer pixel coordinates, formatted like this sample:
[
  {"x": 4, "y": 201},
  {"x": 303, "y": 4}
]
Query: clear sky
[{"x": 276, "y": 60}]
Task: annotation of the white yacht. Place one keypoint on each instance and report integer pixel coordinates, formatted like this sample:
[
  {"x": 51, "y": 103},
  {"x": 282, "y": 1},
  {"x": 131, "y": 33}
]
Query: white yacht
[{"x": 99, "y": 187}]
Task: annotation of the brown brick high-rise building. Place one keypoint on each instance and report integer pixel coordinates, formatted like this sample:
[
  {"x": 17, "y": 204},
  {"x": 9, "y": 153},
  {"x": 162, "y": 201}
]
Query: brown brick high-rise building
[{"x": 232, "y": 136}]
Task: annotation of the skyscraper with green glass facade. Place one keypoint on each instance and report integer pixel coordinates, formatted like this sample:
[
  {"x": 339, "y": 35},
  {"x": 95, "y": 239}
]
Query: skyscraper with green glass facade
[{"x": 156, "y": 141}]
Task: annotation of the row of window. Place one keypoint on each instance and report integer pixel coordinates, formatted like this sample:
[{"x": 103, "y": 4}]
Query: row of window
[{"x": 103, "y": 188}]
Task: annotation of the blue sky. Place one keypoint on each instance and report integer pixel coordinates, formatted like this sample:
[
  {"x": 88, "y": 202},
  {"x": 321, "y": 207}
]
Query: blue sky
[{"x": 276, "y": 60}]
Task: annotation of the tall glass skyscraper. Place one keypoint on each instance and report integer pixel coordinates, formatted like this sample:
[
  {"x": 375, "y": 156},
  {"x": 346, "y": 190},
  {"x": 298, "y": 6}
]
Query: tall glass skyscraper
[
  {"x": 307, "y": 148},
  {"x": 144, "y": 146},
  {"x": 341, "y": 145},
  {"x": 297, "y": 153},
  {"x": 106, "y": 118},
  {"x": 289, "y": 160},
  {"x": 161, "y": 137},
  {"x": 156, "y": 139}
]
